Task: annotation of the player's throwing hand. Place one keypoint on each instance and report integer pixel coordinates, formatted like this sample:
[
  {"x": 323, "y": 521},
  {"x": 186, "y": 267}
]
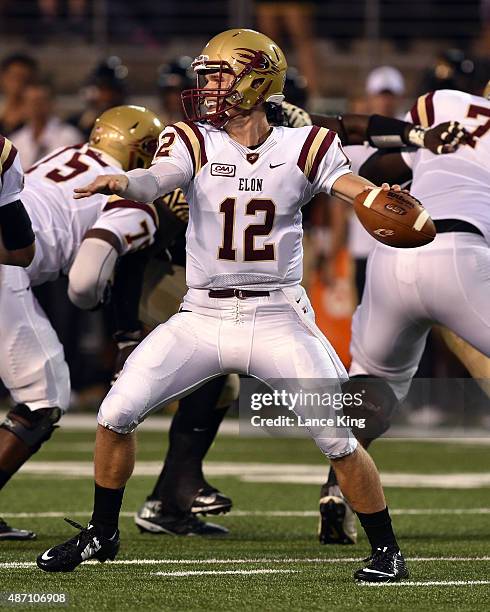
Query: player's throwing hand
[
  {"x": 385, "y": 187},
  {"x": 107, "y": 185}
]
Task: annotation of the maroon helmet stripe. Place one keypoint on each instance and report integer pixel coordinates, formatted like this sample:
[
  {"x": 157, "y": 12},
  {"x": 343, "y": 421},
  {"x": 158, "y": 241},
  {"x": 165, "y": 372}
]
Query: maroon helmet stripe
[
  {"x": 187, "y": 143},
  {"x": 199, "y": 136},
  {"x": 306, "y": 147},
  {"x": 322, "y": 151},
  {"x": 429, "y": 107},
  {"x": 132, "y": 204},
  {"x": 9, "y": 161}
]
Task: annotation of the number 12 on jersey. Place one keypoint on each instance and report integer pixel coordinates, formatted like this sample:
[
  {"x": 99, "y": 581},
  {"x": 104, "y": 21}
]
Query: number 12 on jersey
[{"x": 250, "y": 252}]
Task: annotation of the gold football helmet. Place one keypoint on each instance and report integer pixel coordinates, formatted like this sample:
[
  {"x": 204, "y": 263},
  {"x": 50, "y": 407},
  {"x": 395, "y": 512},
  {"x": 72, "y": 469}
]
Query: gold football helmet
[
  {"x": 127, "y": 133},
  {"x": 258, "y": 69},
  {"x": 486, "y": 91}
]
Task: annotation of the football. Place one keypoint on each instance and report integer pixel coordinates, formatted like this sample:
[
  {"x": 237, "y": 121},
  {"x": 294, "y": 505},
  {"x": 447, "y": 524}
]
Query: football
[{"x": 394, "y": 218}]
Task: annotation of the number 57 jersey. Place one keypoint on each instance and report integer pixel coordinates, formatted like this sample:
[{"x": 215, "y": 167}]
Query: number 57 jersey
[
  {"x": 60, "y": 222},
  {"x": 245, "y": 222}
]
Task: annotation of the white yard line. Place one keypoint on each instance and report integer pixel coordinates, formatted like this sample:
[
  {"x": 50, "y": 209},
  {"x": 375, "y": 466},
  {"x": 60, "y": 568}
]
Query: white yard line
[
  {"x": 298, "y": 561},
  {"x": 221, "y": 572},
  {"x": 286, "y": 473},
  {"x": 271, "y": 513},
  {"x": 411, "y": 583}
]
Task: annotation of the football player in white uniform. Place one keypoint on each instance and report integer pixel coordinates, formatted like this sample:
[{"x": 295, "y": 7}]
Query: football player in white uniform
[
  {"x": 409, "y": 290},
  {"x": 181, "y": 492},
  {"x": 16, "y": 235},
  {"x": 245, "y": 310},
  {"x": 82, "y": 239}
]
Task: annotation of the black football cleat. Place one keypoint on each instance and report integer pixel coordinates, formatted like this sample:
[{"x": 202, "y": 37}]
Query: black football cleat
[
  {"x": 385, "y": 565},
  {"x": 337, "y": 520},
  {"x": 88, "y": 544},
  {"x": 211, "y": 501},
  {"x": 11, "y": 533},
  {"x": 151, "y": 518}
]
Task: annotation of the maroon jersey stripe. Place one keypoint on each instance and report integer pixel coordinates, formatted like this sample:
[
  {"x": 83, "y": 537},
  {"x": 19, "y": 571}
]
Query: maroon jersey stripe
[
  {"x": 322, "y": 151},
  {"x": 187, "y": 143},
  {"x": 306, "y": 147},
  {"x": 132, "y": 204},
  {"x": 199, "y": 136},
  {"x": 9, "y": 161},
  {"x": 429, "y": 107}
]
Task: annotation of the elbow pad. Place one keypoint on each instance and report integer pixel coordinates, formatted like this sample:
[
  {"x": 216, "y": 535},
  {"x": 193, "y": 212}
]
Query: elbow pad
[{"x": 91, "y": 273}]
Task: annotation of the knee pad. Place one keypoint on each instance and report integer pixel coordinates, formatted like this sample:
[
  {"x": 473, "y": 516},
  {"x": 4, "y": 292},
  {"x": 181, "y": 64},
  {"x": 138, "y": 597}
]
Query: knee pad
[
  {"x": 230, "y": 392},
  {"x": 336, "y": 448},
  {"x": 33, "y": 427},
  {"x": 378, "y": 403},
  {"x": 117, "y": 414}
]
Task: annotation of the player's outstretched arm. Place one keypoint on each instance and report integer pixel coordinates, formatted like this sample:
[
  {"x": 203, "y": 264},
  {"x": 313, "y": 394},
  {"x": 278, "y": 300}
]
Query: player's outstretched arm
[
  {"x": 389, "y": 133},
  {"x": 108, "y": 184},
  {"x": 348, "y": 186},
  {"x": 138, "y": 185}
]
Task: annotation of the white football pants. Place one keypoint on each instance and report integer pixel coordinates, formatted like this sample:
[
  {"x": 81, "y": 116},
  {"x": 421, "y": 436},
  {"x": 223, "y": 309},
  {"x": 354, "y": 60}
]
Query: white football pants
[
  {"x": 407, "y": 291},
  {"x": 32, "y": 360},
  {"x": 271, "y": 338}
]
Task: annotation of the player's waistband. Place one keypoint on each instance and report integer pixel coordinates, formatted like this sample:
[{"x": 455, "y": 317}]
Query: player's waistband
[
  {"x": 241, "y": 294},
  {"x": 445, "y": 226}
]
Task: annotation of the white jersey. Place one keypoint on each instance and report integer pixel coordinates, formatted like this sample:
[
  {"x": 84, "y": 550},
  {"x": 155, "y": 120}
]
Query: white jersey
[
  {"x": 245, "y": 222},
  {"x": 455, "y": 186},
  {"x": 60, "y": 222},
  {"x": 11, "y": 174}
]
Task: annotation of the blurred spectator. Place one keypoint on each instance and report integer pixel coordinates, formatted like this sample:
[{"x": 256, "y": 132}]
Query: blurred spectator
[
  {"x": 43, "y": 131},
  {"x": 451, "y": 70},
  {"x": 16, "y": 71},
  {"x": 172, "y": 79},
  {"x": 385, "y": 87},
  {"x": 52, "y": 11},
  {"x": 105, "y": 87},
  {"x": 482, "y": 46},
  {"x": 295, "y": 20}
]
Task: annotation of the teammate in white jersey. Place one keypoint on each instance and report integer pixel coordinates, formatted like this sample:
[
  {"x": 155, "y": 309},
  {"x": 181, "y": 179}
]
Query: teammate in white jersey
[
  {"x": 79, "y": 238},
  {"x": 245, "y": 310},
  {"x": 16, "y": 236},
  {"x": 409, "y": 290}
]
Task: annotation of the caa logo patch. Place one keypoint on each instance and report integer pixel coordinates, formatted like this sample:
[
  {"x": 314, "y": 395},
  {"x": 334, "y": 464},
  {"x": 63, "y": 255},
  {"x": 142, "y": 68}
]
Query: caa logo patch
[{"x": 223, "y": 170}]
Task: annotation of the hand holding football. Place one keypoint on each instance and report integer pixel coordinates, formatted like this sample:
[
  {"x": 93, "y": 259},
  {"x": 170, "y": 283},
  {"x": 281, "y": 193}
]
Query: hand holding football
[{"x": 394, "y": 218}]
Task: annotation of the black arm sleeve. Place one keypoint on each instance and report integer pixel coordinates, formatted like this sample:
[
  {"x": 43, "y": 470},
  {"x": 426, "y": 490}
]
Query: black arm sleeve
[
  {"x": 127, "y": 290},
  {"x": 386, "y": 166},
  {"x": 15, "y": 226}
]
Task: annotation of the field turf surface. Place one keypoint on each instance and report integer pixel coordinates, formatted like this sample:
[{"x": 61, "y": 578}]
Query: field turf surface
[{"x": 271, "y": 559}]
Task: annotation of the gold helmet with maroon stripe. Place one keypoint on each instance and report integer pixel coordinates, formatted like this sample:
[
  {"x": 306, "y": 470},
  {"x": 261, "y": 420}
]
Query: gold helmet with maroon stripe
[
  {"x": 127, "y": 133},
  {"x": 258, "y": 69}
]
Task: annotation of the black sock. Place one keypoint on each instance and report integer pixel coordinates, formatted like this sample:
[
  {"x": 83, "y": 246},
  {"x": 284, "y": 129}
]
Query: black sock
[
  {"x": 182, "y": 476},
  {"x": 331, "y": 481},
  {"x": 4, "y": 478},
  {"x": 378, "y": 529},
  {"x": 107, "y": 505}
]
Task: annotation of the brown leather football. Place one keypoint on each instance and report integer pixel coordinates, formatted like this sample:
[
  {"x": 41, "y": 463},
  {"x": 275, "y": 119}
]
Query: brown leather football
[{"x": 394, "y": 218}]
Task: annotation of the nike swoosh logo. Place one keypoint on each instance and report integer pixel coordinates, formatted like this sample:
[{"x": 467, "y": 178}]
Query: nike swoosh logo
[
  {"x": 45, "y": 556},
  {"x": 271, "y": 166},
  {"x": 372, "y": 571}
]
